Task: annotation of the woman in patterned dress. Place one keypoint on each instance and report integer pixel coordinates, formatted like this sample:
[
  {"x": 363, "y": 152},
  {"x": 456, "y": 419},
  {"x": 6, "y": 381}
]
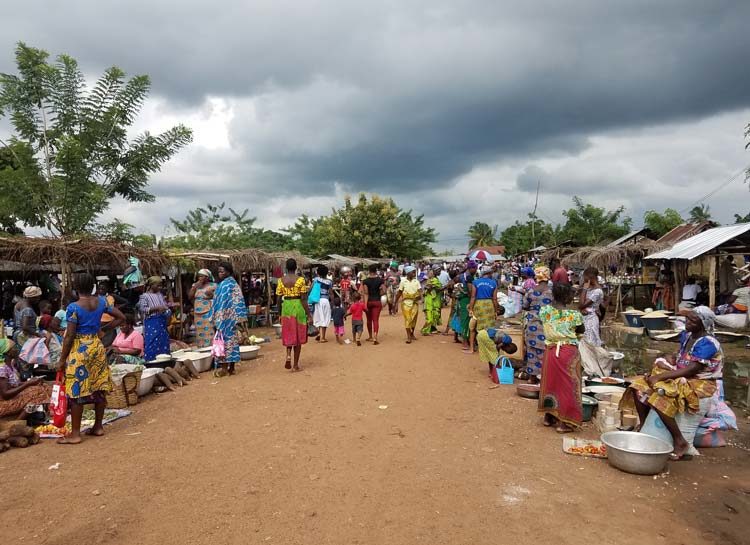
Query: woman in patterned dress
[
  {"x": 591, "y": 301},
  {"x": 156, "y": 313},
  {"x": 227, "y": 312},
  {"x": 533, "y": 332},
  {"x": 83, "y": 358},
  {"x": 560, "y": 390},
  {"x": 202, "y": 294}
]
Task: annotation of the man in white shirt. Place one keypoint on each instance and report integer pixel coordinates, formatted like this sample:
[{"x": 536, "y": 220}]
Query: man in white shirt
[{"x": 690, "y": 293}]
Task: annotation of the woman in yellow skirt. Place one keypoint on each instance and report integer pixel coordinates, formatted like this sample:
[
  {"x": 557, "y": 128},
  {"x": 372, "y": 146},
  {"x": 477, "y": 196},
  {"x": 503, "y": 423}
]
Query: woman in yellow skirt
[{"x": 409, "y": 293}]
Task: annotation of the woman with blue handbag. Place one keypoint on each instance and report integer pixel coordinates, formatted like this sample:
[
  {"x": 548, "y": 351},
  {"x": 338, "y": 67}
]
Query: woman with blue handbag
[
  {"x": 491, "y": 341},
  {"x": 319, "y": 297}
]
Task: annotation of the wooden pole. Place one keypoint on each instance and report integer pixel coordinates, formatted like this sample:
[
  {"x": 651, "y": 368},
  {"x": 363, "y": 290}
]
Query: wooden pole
[
  {"x": 268, "y": 290},
  {"x": 712, "y": 281},
  {"x": 178, "y": 287}
]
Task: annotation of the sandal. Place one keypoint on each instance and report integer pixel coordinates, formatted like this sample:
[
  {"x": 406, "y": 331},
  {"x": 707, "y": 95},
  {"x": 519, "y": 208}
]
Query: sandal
[
  {"x": 220, "y": 373},
  {"x": 564, "y": 429},
  {"x": 288, "y": 364}
]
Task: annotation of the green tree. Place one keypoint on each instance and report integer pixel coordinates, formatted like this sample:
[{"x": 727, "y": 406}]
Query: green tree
[
  {"x": 374, "y": 227},
  {"x": 700, "y": 213},
  {"x": 742, "y": 219},
  {"x": 520, "y": 237},
  {"x": 217, "y": 227},
  {"x": 71, "y": 145},
  {"x": 589, "y": 225},
  {"x": 481, "y": 234},
  {"x": 662, "y": 223},
  {"x": 302, "y": 235}
]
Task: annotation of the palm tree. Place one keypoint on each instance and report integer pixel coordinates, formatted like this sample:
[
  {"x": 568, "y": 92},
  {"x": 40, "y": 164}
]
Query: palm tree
[
  {"x": 481, "y": 234},
  {"x": 700, "y": 213},
  {"x": 742, "y": 219}
]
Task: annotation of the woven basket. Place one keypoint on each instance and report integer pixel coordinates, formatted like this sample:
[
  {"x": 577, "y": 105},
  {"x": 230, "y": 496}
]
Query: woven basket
[{"x": 125, "y": 394}]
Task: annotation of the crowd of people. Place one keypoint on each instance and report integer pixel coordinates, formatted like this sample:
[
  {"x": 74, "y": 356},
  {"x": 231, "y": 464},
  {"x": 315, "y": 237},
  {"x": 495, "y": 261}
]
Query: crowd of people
[
  {"x": 97, "y": 326},
  {"x": 561, "y": 322}
]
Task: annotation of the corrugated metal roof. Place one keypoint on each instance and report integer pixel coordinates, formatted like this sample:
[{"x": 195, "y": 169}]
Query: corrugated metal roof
[
  {"x": 684, "y": 231},
  {"x": 625, "y": 238},
  {"x": 703, "y": 242}
]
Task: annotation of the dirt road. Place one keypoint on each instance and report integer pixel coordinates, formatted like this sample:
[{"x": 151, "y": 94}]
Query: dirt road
[{"x": 316, "y": 458}]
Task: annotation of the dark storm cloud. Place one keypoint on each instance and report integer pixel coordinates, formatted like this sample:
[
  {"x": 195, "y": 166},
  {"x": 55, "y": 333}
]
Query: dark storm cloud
[{"x": 403, "y": 96}]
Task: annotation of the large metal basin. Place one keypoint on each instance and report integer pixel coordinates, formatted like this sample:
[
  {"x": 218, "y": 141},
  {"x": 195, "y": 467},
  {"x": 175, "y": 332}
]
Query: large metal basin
[{"x": 635, "y": 452}]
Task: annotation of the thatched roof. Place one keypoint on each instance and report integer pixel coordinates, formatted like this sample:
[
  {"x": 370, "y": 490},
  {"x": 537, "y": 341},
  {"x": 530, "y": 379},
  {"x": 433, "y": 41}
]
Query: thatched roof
[
  {"x": 249, "y": 259},
  {"x": 81, "y": 253},
  {"x": 602, "y": 257}
]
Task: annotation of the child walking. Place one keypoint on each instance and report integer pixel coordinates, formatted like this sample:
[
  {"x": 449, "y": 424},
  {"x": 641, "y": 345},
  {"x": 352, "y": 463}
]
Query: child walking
[
  {"x": 357, "y": 310},
  {"x": 338, "y": 315}
]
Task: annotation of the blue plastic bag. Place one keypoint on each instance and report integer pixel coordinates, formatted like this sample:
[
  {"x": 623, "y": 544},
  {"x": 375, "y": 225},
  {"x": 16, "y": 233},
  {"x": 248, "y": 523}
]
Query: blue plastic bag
[
  {"x": 314, "y": 296},
  {"x": 504, "y": 371}
]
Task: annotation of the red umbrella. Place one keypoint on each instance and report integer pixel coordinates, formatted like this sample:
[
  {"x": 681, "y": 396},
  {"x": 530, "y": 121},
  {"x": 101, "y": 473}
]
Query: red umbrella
[{"x": 481, "y": 255}]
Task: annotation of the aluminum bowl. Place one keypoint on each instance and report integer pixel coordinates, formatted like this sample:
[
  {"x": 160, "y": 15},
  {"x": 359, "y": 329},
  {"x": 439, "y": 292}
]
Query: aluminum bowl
[
  {"x": 529, "y": 391},
  {"x": 635, "y": 452}
]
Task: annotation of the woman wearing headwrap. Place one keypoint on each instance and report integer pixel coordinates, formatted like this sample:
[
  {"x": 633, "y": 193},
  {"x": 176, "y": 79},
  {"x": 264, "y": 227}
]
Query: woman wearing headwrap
[
  {"x": 462, "y": 291},
  {"x": 483, "y": 305},
  {"x": 677, "y": 384},
  {"x": 433, "y": 303},
  {"x": 155, "y": 311},
  {"x": 25, "y": 316},
  {"x": 533, "y": 330},
  {"x": 202, "y": 294},
  {"x": 591, "y": 299},
  {"x": 14, "y": 394},
  {"x": 410, "y": 290},
  {"x": 490, "y": 342},
  {"x": 228, "y": 311},
  {"x": 392, "y": 281}
]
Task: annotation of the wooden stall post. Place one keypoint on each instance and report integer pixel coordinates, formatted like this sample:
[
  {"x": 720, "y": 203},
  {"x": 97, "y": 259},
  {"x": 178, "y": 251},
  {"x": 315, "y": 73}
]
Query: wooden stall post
[
  {"x": 178, "y": 287},
  {"x": 712, "y": 281},
  {"x": 268, "y": 289}
]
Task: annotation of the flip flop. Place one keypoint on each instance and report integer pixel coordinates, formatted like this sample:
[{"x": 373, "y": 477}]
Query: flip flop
[{"x": 564, "y": 430}]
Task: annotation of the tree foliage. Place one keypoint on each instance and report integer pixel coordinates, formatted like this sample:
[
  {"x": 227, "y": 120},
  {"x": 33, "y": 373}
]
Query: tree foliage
[
  {"x": 700, "y": 213},
  {"x": 585, "y": 225},
  {"x": 70, "y": 147},
  {"x": 742, "y": 219},
  {"x": 218, "y": 227},
  {"x": 662, "y": 223},
  {"x": 374, "y": 227},
  {"x": 589, "y": 225},
  {"x": 481, "y": 234}
]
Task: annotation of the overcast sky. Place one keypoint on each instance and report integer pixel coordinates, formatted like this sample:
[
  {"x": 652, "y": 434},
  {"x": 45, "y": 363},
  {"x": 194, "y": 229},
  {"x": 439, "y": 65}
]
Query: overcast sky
[{"x": 456, "y": 108}]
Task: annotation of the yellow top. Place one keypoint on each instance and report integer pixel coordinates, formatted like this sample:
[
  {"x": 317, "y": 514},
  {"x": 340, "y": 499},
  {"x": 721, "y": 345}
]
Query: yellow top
[{"x": 298, "y": 290}]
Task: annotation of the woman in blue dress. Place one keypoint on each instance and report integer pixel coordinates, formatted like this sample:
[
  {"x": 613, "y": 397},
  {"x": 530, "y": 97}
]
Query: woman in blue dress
[
  {"x": 227, "y": 313},
  {"x": 533, "y": 332},
  {"x": 155, "y": 310},
  {"x": 83, "y": 358}
]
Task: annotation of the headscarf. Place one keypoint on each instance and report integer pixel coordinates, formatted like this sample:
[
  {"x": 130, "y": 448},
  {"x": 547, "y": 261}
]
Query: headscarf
[
  {"x": 394, "y": 265},
  {"x": 153, "y": 281},
  {"x": 32, "y": 291},
  {"x": 542, "y": 274},
  {"x": 205, "y": 272},
  {"x": 486, "y": 269},
  {"x": 437, "y": 268},
  {"x": 528, "y": 271},
  {"x": 471, "y": 264},
  {"x": 409, "y": 269},
  {"x": 5, "y": 346},
  {"x": 708, "y": 318}
]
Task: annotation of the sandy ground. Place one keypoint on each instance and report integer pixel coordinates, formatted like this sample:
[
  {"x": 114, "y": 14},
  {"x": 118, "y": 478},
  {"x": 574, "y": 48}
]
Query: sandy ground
[{"x": 274, "y": 457}]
